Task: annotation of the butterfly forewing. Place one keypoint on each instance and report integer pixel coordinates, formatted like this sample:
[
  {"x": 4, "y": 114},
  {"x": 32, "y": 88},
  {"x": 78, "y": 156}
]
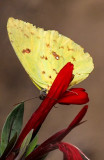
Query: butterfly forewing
[{"x": 44, "y": 53}]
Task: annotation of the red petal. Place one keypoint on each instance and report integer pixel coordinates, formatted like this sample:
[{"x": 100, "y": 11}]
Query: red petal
[
  {"x": 79, "y": 117},
  {"x": 61, "y": 134},
  {"x": 47, "y": 146},
  {"x": 59, "y": 86},
  {"x": 69, "y": 151},
  {"x": 61, "y": 82},
  {"x": 74, "y": 96}
]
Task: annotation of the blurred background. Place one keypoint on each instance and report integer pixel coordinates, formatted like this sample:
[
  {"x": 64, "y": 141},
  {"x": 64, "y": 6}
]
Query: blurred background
[{"x": 83, "y": 22}]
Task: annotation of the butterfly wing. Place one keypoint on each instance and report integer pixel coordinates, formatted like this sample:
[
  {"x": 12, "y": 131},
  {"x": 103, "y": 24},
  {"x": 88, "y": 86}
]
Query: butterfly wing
[{"x": 44, "y": 53}]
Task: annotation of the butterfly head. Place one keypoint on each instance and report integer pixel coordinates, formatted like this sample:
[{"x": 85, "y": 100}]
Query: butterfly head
[{"x": 43, "y": 94}]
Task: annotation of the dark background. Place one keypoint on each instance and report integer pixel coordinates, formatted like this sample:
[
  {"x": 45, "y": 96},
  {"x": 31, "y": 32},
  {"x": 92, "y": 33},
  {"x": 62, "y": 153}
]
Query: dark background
[{"x": 82, "y": 21}]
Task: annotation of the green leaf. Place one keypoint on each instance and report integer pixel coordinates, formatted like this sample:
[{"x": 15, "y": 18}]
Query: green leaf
[
  {"x": 26, "y": 140},
  {"x": 12, "y": 125},
  {"x": 31, "y": 146},
  {"x": 24, "y": 145},
  {"x": 9, "y": 146}
]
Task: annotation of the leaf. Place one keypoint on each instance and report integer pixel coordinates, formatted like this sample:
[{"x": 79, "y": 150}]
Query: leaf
[
  {"x": 24, "y": 145},
  {"x": 26, "y": 140},
  {"x": 31, "y": 146},
  {"x": 9, "y": 146},
  {"x": 12, "y": 125}
]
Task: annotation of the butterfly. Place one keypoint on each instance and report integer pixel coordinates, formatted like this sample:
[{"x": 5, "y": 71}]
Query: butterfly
[{"x": 44, "y": 53}]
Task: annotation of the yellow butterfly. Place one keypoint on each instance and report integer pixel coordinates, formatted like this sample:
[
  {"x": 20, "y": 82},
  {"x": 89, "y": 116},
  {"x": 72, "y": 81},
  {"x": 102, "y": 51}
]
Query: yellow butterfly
[{"x": 44, "y": 53}]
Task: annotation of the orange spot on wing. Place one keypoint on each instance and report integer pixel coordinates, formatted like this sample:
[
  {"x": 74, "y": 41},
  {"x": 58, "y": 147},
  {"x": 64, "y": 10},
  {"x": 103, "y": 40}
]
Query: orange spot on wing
[
  {"x": 46, "y": 58},
  {"x": 61, "y": 47},
  {"x": 27, "y": 50},
  {"x": 47, "y": 45},
  {"x": 26, "y": 35},
  {"x": 54, "y": 40},
  {"x": 69, "y": 49},
  {"x": 73, "y": 58},
  {"x": 78, "y": 74},
  {"x": 57, "y": 57},
  {"x": 43, "y": 72},
  {"x": 55, "y": 71},
  {"x": 42, "y": 57},
  {"x": 32, "y": 33}
]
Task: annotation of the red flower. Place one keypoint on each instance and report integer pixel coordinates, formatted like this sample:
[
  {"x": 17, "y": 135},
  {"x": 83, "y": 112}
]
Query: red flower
[{"x": 58, "y": 93}]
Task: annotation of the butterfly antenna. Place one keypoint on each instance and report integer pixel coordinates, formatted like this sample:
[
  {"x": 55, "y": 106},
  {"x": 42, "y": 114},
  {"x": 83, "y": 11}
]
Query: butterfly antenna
[
  {"x": 52, "y": 98},
  {"x": 25, "y": 100}
]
